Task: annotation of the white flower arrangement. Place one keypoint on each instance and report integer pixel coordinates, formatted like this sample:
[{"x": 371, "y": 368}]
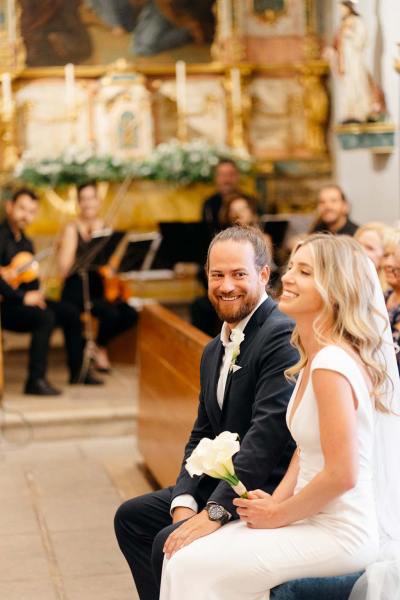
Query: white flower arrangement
[
  {"x": 173, "y": 161},
  {"x": 214, "y": 458}
]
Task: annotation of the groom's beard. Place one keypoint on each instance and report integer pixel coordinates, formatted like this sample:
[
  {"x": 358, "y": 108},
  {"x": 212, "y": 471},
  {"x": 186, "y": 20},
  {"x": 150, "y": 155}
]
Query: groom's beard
[{"x": 238, "y": 310}]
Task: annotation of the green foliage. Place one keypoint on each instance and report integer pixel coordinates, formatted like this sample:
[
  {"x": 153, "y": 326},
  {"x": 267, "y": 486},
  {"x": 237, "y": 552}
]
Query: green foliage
[{"x": 175, "y": 162}]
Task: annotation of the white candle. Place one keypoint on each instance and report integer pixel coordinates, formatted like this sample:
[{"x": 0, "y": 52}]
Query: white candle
[
  {"x": 11, "y": 22},
  {"x": 6, "y": 93},
  {"x": 226, "y": 19},
  {"x": 181, "y": 91},
  {"x": 236, "y": 84},
  {"x": 69, "y": 74}
]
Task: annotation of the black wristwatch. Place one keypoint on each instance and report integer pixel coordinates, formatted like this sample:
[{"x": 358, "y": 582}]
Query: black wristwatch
[{"x": 216, "y": 512}]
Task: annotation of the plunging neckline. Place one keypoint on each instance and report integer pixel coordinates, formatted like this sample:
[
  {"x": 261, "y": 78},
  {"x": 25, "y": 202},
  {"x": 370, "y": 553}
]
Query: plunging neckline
[{"x": 292, "y": 413}]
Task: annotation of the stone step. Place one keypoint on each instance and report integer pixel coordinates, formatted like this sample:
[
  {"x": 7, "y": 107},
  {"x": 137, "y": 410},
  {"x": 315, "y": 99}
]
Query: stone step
[{"x": 79, "y": 422}]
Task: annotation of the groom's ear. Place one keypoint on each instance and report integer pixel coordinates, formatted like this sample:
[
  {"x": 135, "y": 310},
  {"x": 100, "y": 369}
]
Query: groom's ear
[{"x": 264, "y": 274}]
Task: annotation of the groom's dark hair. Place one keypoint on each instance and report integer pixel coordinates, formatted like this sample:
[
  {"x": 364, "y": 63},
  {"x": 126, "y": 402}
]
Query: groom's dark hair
[{"x": 241, "y": 234}]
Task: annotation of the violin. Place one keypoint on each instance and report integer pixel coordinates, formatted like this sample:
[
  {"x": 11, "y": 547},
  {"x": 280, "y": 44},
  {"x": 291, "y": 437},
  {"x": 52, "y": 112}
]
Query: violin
[
  {"x": 23, "y": 268},
  {"x": 115, "y": 288}
]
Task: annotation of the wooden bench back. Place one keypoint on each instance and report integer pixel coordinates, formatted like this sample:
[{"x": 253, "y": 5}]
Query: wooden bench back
[{"x": 169, "y": 359}]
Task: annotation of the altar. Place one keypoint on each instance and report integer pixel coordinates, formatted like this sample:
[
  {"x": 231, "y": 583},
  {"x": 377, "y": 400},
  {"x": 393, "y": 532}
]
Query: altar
[{"x": 253, "y": 88}]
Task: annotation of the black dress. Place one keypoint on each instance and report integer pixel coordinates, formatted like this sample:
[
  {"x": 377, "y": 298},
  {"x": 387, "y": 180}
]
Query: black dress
[{"x": 114, "y": 317}]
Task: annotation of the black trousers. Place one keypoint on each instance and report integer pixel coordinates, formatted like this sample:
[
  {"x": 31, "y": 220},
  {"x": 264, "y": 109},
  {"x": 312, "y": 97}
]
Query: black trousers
[
  {"x": 40, "y": 323},
  {"x": 142, "y": 526},
  {"x": 114, "y": 318}
]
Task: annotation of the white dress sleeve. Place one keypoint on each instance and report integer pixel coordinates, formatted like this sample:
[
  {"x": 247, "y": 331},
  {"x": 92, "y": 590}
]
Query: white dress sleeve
[{"x": 335, "y": 358}]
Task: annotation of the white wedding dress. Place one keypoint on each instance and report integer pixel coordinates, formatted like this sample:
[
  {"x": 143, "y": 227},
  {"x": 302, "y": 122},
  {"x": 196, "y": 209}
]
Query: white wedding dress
[{"x": 238, "y": 563}]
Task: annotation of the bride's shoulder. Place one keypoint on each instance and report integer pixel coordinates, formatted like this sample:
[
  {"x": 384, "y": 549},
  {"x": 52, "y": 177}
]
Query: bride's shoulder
[{"x": 335, "y": 357}]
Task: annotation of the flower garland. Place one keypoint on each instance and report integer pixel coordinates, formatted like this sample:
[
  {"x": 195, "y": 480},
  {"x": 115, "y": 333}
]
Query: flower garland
[{"x": 174, "y": 162}]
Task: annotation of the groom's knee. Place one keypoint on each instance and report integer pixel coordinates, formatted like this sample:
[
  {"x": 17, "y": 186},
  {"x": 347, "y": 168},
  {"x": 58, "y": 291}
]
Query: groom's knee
[{"x": 157, "y": 552}]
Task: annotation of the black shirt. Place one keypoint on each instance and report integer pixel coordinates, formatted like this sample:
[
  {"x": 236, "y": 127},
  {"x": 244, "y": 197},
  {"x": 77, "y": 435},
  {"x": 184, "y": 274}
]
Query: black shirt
[
  {"x": 349, "y": 228},
  {"x": 211, "y": 208},
  {"x": 9, "y": 247}
]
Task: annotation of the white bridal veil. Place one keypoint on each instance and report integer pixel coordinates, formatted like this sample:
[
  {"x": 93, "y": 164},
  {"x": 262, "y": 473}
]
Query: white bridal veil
[{"x": 381, "y": 580}]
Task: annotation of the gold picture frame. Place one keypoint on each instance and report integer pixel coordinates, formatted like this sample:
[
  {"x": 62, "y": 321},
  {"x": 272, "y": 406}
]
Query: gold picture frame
[{"x": 270, "y": 10}]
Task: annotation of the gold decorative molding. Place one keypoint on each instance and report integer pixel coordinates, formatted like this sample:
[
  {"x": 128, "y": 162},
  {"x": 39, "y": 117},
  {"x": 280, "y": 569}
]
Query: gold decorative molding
[
  {"x": 12, "y": 51},
  {"x": 316, "y": 105},
  {"x": 9, "y": 150},
  {"x": 271, "y": 15},
  {"x": 214, "y": 68}
]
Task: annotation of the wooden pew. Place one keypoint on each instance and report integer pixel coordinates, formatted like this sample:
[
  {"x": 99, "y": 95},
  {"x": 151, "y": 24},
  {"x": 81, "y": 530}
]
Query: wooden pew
[{"x": 169, "y": 358}]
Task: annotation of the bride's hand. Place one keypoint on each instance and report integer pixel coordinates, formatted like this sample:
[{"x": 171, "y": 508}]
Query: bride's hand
[{"x": 260, "y": 511}]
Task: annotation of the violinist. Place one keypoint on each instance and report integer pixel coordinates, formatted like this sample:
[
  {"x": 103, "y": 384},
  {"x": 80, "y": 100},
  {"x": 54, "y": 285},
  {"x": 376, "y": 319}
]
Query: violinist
[
  {"x": 114, "y": 316},
  {"x": 24, "y": 307}
]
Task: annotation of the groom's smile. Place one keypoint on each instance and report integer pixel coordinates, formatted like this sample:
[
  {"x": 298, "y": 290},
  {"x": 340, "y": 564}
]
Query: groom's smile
[{"x": 235, "y": 284}]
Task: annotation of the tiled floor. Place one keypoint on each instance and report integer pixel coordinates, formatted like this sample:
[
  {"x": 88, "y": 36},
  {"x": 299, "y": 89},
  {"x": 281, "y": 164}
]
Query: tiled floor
[
  {"x": 56, "y": 521},
  {"x": 65, "y": 466}
]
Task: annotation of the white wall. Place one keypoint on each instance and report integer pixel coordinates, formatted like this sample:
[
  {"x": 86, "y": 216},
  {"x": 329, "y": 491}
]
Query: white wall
[{"x": 372, "y": 183}]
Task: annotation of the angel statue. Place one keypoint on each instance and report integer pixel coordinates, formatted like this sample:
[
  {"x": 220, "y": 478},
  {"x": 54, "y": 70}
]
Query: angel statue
[{"x": 360, "y": 98}]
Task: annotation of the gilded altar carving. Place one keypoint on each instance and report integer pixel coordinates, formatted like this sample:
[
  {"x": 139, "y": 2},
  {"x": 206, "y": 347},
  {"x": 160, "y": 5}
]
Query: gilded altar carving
[{"x": 316, "y": 107}]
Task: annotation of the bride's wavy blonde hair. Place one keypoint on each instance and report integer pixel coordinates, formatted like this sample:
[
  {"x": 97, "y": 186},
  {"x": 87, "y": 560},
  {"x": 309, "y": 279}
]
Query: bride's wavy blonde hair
[{"x": 342, "y": 278}]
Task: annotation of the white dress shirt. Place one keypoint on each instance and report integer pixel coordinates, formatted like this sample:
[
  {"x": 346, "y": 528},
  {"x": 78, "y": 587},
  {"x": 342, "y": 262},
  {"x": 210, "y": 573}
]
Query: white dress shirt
[{"x": 186, "y": 500}]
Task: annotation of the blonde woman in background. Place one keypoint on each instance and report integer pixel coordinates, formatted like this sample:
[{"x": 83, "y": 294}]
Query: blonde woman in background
[
  {"x": 391, "y": 267},
  {"x": 373, "y": 237},
  {"x": 377, "y": 239}
]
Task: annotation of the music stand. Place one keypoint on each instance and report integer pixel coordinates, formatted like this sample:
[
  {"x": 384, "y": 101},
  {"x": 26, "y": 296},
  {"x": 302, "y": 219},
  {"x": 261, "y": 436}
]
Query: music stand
[
  {"x": 182, "y": 242},
  {"x": 276, "y": 229},
  {"x": 140, "y": 252},
  {"x": 99, "y": 250}
]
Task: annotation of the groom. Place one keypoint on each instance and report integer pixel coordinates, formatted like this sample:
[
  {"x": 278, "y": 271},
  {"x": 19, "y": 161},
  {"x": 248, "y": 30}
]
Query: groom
[{"x": 247, "y": 395}]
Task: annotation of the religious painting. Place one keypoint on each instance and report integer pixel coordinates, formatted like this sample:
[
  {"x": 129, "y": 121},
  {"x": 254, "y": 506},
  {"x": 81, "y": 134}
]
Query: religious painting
[
  {"x": 96, "y": 32},
  {"x": 270, "y": 10}
]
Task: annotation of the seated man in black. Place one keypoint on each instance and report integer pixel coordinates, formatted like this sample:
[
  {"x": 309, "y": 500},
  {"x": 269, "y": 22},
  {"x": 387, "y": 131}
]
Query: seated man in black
[
  {"x": 25, "y": 309},
  {"x": 333, "y": 212}
]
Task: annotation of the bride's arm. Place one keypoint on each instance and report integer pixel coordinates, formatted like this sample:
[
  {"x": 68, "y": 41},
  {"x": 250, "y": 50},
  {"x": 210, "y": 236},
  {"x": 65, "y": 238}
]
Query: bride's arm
[
  {"x": 338, "y": 434},
  {"x": 286, "y": 487}
]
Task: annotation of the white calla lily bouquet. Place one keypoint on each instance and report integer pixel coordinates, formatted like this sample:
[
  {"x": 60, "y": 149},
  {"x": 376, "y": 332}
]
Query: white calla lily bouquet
[{"x": 214, "y": 458}]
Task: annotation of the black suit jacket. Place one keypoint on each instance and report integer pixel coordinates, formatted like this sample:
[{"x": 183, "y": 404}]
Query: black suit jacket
[{"x": 255, "y": 402}]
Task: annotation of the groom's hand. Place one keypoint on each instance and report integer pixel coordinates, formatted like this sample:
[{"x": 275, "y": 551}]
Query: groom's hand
[
  {"x": 196, "y": 527},
  {"x": 181, "y": 513}
]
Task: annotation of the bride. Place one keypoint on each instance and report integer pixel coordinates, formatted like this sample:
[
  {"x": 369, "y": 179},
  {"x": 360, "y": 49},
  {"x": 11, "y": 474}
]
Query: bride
[{"x": 329, "y": 513}]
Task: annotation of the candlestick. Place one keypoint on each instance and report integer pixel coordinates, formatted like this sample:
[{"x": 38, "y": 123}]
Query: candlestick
[
  {"x": 236, "y": 84},
  {"x": 69, "y": 74},
  {"x": 181, "y": 92},
  {"x": 6, "y": 94},
  {"x": 226, "y": 19}
]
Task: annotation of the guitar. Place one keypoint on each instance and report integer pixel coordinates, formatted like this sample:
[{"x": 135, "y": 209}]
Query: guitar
[{"x": 23, "y": 268}]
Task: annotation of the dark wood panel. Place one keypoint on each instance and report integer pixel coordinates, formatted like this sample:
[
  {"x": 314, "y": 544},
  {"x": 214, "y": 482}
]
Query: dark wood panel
[{"x": 169, "y": 356}]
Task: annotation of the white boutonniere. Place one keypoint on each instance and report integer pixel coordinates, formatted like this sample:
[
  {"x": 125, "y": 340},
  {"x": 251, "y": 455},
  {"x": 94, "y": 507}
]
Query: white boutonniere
[{"x": 236, "y": 338}]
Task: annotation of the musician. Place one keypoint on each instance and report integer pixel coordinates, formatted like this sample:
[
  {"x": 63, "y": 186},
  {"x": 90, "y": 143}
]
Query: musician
[
  {"x": 25, "y": 308},
  {"x": 114, "y": 317}
]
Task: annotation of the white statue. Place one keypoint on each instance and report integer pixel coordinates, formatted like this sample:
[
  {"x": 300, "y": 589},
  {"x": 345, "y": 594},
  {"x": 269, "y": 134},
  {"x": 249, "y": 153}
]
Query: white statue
[{"x": 360, "y": 99}]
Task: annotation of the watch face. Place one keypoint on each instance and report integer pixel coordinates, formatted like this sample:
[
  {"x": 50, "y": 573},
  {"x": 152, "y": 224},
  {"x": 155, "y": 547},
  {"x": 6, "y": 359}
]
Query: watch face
[{"x": 215, "y": 512}]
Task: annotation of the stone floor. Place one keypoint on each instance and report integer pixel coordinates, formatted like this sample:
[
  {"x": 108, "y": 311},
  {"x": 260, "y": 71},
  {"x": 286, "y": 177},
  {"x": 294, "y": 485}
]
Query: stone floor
[
  {"x": 64, "y": 468},
  {"x": 81, "y": 411}
]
